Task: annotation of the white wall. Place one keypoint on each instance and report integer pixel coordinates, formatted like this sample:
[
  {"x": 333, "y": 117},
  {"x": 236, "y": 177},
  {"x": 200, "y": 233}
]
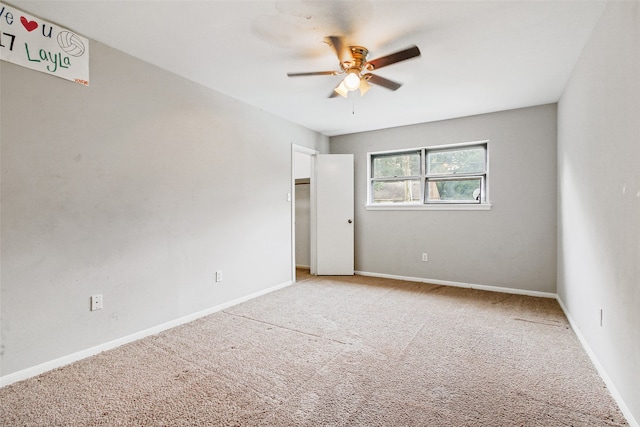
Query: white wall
[
  {"x": 139, "y": 188},
  {"x": 301, "y": 165},
  {"x": 512, "y": 246},
  {"x": 599, "y": 198}
]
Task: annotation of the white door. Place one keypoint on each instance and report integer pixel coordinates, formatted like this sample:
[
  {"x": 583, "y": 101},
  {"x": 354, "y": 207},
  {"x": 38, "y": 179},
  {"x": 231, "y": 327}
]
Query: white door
[{"x": 334, "y": 214}]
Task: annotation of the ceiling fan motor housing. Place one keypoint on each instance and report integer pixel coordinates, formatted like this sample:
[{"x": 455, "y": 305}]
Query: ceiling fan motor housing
[{"x": 359, "y": 55}]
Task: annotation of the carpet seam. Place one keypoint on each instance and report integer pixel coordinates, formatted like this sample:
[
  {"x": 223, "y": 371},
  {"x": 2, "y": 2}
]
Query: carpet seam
[{"x": 286, "y": 328}]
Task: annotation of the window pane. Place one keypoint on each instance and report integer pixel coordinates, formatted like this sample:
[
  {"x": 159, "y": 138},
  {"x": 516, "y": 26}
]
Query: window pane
[
  {"x": 462, "y": 160},
  {"x": 458, "y": 190},
  {"x": 396, "y": 165},
  {"x": 396, "y": 191}
]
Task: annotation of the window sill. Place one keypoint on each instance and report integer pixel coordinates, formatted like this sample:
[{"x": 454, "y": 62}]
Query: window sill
[{"x": 430, "y": 207}]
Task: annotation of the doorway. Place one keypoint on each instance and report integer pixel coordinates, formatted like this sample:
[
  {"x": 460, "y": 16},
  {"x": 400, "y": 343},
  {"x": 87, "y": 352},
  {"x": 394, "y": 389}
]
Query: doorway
[
  {"x": 301, "y": 211},
  {"x": 329, "y": 215}
]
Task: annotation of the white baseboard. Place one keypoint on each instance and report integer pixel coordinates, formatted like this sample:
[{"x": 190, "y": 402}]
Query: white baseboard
[
  {"x": 74, "y": 357},
  {"x": 462, "y": 285},
  {"x": 601, "y": 371}
]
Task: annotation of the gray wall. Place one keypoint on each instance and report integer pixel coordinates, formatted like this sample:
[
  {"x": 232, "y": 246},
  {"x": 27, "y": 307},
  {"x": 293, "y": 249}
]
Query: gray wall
[
  {"x": 513, "y": 245},
  {"x": 302, "y": 174},
  {"x": 599, "y": 197},
  {"x": 139, "y": 188},
  {"x": 303, "y": 225}
]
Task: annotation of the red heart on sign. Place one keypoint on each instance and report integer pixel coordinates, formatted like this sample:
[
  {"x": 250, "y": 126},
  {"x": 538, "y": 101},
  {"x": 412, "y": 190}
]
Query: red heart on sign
[{"x": 29, "y": 25}]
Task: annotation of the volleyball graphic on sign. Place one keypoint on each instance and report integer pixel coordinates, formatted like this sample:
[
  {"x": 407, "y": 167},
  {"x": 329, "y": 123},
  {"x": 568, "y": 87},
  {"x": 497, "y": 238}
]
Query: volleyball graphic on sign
[{"x": 71, "y": 43}]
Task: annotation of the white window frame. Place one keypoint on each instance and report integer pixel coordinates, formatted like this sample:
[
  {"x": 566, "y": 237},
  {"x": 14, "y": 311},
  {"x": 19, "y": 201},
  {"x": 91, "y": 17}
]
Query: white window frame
[{"x": 483, "y": 203}]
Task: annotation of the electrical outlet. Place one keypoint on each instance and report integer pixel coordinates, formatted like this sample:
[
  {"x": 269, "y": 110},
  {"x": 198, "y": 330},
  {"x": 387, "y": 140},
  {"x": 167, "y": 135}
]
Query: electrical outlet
[
  {"x": 218, "y": 276},
  {"x": 96, "y": 302},
  {"x": 424, "y": 257}
]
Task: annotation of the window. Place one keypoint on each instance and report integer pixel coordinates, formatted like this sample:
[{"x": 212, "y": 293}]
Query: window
[
  {"x": 429, "y": 177},
  {"x": 396, "y": 177}
]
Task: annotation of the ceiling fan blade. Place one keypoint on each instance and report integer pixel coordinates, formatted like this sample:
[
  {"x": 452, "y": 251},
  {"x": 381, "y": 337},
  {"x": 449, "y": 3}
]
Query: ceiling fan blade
[
  {"x": 314, "y": 73},
  {"x": 381, "y": 81},
  {"x": 401, "y": 55},
  {"x": 342, "y": 51}
]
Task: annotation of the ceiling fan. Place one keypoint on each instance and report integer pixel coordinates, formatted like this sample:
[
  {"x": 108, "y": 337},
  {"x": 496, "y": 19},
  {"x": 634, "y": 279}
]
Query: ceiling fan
[{"x": 353, "y": 63}]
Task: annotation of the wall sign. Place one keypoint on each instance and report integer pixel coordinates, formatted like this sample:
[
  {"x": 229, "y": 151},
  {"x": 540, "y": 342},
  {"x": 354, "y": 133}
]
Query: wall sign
[{"x": 42, "y": 46}]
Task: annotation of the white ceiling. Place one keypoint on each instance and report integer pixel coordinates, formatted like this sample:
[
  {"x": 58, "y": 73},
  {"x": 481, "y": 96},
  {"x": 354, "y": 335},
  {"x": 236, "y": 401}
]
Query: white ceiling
[{"x": 477, "y": 56}]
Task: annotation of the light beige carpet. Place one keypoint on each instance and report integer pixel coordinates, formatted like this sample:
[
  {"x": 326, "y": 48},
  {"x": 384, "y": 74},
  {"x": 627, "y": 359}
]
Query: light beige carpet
[{"x": 336, "y": 351}]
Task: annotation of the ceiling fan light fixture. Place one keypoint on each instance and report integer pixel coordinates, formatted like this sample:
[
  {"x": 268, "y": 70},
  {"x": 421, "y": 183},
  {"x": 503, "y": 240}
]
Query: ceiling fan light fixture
[
  {"x": 352, "y": 81},
  {"x": 342, "y": 90},
  {"x": 364, "y": 87}
]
